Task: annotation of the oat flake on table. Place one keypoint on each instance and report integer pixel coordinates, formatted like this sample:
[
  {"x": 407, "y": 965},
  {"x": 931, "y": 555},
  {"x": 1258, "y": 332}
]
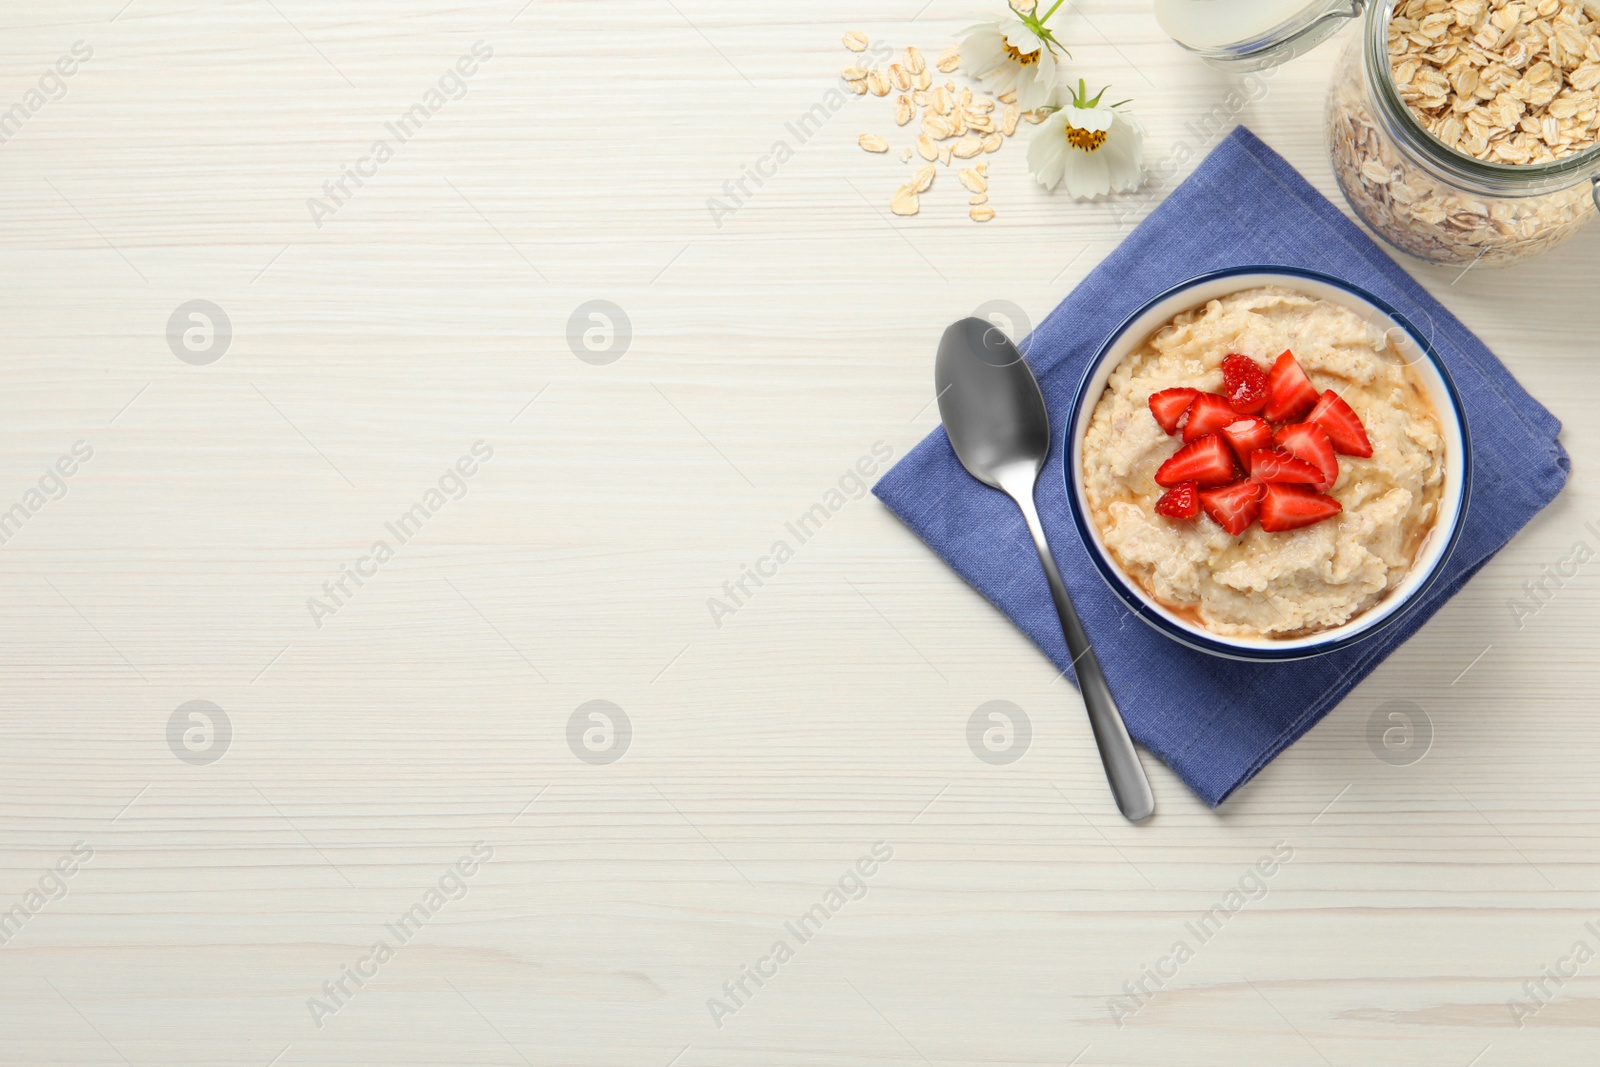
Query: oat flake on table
[{"x": 951, "y": 122}]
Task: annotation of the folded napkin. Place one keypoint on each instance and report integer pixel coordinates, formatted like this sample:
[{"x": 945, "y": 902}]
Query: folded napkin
[{"x": 1217, "y": 722}]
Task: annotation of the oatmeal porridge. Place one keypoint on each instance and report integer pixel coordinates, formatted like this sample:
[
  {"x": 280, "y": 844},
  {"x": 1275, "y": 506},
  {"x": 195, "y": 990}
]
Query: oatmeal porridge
[{"x": 1265, "y": 465}]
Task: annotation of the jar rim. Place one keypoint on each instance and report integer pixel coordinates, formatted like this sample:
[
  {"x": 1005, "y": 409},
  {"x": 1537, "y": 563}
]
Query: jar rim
[{"x": 1503, "y": 179}]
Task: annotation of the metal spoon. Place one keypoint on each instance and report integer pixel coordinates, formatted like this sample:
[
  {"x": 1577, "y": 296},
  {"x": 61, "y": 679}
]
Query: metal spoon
[{"x": 995, "y": 417}]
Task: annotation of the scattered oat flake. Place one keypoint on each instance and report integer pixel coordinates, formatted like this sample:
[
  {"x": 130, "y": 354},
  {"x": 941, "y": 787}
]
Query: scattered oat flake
[{"x": 959, "y": 124}]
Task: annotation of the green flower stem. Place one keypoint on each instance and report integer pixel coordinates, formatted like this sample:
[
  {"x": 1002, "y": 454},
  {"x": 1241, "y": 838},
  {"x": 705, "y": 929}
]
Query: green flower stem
[
  {"x": 1081, "y": 97},
  {"x": 1035, "y": 22}
]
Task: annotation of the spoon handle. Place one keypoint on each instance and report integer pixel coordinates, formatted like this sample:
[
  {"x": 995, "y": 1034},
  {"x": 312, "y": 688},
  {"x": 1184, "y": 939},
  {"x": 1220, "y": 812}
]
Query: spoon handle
[{"x": 1129, "y": 786}]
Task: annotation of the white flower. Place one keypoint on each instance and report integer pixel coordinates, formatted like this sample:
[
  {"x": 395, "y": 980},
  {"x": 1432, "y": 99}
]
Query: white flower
[
  {"x": 1009, "y": 53},
  {"x": 1094, "y": 149}
]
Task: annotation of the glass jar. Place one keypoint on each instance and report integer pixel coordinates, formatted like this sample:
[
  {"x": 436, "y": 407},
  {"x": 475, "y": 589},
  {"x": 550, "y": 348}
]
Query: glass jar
[{"x": 1432, "y": 201}]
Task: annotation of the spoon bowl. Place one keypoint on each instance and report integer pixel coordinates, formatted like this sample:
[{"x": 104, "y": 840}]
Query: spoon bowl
[
  {"x": 999, "y": 428},
  {"x": 1000, "y": 419}
]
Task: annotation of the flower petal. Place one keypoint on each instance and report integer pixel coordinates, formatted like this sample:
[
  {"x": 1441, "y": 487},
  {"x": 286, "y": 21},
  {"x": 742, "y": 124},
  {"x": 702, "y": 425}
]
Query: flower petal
[
  {"x": 1023, "y": 39},
  {"x": 1090, "y": 118},
  {"x": 1047, "y": 152},
  {"x": 1002, "y": 77},
  {"x": 1124, "y": 152},
  {"x": 1088, "y": 175},
  {"x": 1034, "y": 91}
]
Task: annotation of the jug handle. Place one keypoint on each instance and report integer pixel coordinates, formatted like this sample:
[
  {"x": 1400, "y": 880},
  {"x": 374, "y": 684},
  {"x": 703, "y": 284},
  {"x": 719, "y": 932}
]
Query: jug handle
[{"x": 1594, "y": 190}]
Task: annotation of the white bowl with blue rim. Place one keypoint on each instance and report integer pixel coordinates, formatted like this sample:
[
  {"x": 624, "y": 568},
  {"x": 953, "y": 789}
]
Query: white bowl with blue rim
[{"x": 1413, "y": 344}]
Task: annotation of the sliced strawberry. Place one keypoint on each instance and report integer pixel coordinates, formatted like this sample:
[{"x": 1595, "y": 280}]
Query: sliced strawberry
[
  {"x": 1246, "y": 435},
  {"x": 1208, "y": 414},
  {"x": 1207, "y": 461},
  {"x": 1343, "y": 426},
  {"x": 1290, "y": 393},
  {"x": 1306, "y": 441},
  {"x": 1169, "y": 405},
  {"x": 1271, "y": 465},
  {"x": 1182, "y": 501},
  {"x": 1244, "y": 384},
  {"x": 1289, "y": 507},
  {"x": 1234, "y": 507}
]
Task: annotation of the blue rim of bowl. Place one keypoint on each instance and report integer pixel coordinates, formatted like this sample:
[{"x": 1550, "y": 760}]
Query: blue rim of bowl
[{"x": 1112, "y": 575}]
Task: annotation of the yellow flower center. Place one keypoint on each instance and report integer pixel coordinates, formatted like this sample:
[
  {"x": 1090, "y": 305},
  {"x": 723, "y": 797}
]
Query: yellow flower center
[
  {"x": 1018, "y": 56},
  {"x": 1085, "y": 140}
]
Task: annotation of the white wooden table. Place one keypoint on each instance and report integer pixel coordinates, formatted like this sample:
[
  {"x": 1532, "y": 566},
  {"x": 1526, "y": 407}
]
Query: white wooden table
[{"x": 369, "y": 744}]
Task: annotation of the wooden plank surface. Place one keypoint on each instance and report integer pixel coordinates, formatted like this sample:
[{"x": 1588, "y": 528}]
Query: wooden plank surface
[{"x": 374, "y": 742}]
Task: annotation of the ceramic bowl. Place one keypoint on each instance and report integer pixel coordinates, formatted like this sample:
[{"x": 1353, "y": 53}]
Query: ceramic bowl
[{"x": 1413, "y": 345}]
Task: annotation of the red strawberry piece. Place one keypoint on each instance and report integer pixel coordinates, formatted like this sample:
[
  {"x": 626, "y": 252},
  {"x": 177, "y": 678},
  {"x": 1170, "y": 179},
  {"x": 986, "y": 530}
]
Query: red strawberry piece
[
  {"x": 1208, "y": 414},
  {"x": 1290, "y": 393},
  {"x": 1309, "y": 442},
  {"x": 1271, "y": 465},
  {"x": 1207, "y": 461},
  {"x": 1246, "y": 435},
  {"x": 1244, "y": 384},
  {"x": 1182, "y": 501},
  {"x": 1169, "y": 405},
  {"x": 1234, "y": 507},
  {"x": 1343, "y": 427},
  {"x": 1289, "y": 507}
]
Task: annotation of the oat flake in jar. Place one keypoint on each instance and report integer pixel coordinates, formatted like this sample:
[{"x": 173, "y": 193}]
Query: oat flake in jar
[{"x": 1460, "y": 131}]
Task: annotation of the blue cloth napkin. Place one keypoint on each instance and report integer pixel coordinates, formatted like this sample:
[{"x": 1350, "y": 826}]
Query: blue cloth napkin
[{"x": 1217, "y": 722}]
